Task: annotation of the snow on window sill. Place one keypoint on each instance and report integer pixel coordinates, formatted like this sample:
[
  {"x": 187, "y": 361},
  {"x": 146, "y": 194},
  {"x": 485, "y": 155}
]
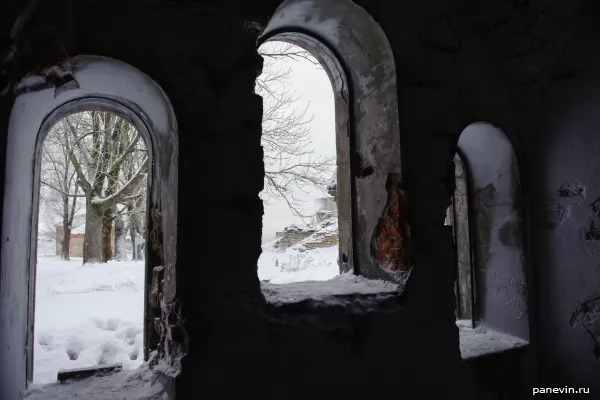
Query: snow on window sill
[
  {"x": 340, "y": 291},
  {"x": 483, "y": 341},
  {"x": 143, "y": 383}
]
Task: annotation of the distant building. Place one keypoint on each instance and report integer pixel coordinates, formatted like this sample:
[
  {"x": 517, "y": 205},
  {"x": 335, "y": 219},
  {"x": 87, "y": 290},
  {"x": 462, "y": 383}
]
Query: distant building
[
  {"x": 75, "y": 244},
  {"x": 77, "y": 238}
]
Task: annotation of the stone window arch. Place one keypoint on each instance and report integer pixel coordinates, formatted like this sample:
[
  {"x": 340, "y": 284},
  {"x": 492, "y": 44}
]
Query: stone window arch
[
  {"x": 355, "y": 53},
  {"x": 40, "y": 100},
  {"x": 495, "y": 229}
]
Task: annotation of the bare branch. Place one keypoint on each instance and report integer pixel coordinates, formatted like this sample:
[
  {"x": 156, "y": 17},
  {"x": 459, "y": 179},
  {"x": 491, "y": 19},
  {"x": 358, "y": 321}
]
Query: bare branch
[{"x": 290, "y": 163}]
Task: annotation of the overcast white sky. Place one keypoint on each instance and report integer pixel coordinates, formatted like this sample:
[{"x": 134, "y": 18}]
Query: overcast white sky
[{"x": 313, "y": 85}]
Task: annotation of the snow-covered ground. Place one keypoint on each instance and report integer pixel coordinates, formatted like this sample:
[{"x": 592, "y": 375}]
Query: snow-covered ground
[
  {"x": 86, "y": 315},
  {"x": 313, "y": 258},
  {"x": 46, "y": 247},
  {"x": 292, "y": 265}
]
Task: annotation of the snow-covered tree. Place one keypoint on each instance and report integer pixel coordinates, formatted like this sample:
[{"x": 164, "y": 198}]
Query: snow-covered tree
[
  {"x": 291, "y": 164},
  {"x": 103, "y": 143}
]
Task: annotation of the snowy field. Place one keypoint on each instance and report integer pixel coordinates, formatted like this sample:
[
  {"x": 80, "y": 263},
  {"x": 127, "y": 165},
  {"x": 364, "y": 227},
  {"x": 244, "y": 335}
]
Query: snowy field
[
  {"x": 312, "y": 258},
  {"x": 293, "y": 265},
  {"x": 87, "y": 315}
]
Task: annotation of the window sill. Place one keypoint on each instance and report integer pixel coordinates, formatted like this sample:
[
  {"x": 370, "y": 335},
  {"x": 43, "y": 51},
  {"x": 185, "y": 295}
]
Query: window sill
[
  {"x": 350, "y": 295},
  {"x": 341, "y": 291},
  {"x": 143, "y": 383},
  {"x": 483, "y": 341}
]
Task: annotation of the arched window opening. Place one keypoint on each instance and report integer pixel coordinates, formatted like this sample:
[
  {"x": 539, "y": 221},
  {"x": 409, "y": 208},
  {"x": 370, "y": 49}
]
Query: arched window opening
[
  {"x": 356, "y": 56},
  {"x": 91, "y": 234},
  {"x": 300, "y": 222},
  {"x": 105, "y": 113},
  {"x": 487, "y": 222}
]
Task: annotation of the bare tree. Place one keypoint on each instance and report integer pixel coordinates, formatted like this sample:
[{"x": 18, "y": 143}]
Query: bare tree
[
  {"x": 291, "y": 164},
  {"x": 103, "y": 143},
  {"x": 134, "y": 208},
  {"x": 59, "y": 192}
]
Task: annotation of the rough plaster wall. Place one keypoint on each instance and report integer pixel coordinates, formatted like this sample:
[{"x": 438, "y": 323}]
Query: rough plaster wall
[
  {"x": 567, "y": 188},
  {"x": 524, "y": 41},
  {"x": 439, "y": 94},
  {"x": 451, "y": 64},
  {"x": 514, "y": 47},
  {"x": 497, "y": 228}
]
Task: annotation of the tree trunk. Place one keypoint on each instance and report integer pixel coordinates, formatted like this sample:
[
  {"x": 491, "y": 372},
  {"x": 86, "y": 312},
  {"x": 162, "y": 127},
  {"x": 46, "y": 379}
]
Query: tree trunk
[
  {"x": 139, "y": 251},
  {"x": 120, "y": 238},
  {"x": 133, "y": 245},
  {"x": 66, "y": 243},
  {"x": 66, "y": 239},
  {"x": 92, "y": 242},
  {"x": 68, "y": 216},
  {"x": 107, "y": 250}
]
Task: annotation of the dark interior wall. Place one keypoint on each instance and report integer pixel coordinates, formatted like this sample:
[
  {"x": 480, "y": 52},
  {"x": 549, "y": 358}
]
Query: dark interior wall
[
  {"x": 445, "y": 82},
  {"x": 566, "y": 173},
  {"x": 457, "y": 63}
]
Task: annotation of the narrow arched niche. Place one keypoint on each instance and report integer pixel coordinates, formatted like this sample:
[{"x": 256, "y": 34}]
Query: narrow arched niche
[
  {"x": 117, "y": 86},
  {"x": 496, "y": 229},
  {"x": 356, "y": 54}
]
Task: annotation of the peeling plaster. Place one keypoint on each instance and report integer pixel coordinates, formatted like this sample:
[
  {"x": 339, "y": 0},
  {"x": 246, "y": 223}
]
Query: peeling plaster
[
  {"x": 552, "y": 215},
  {"x": 559, "y": 204},
  {"x": 363, "y": 170},
  {"x": 487, "y": 196},
  {"x": 59, "y": 76},
  {"x": 572, "y": 189},
  {"x": 587, "y": 316},
  {"x": 592, "y": 231},
  {"x": 510, "y": 234},
  {"x": 390, "y": 239}
]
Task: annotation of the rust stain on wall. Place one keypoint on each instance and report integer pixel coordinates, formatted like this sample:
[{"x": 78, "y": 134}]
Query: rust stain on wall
[{"x": 389, "y": 242}]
